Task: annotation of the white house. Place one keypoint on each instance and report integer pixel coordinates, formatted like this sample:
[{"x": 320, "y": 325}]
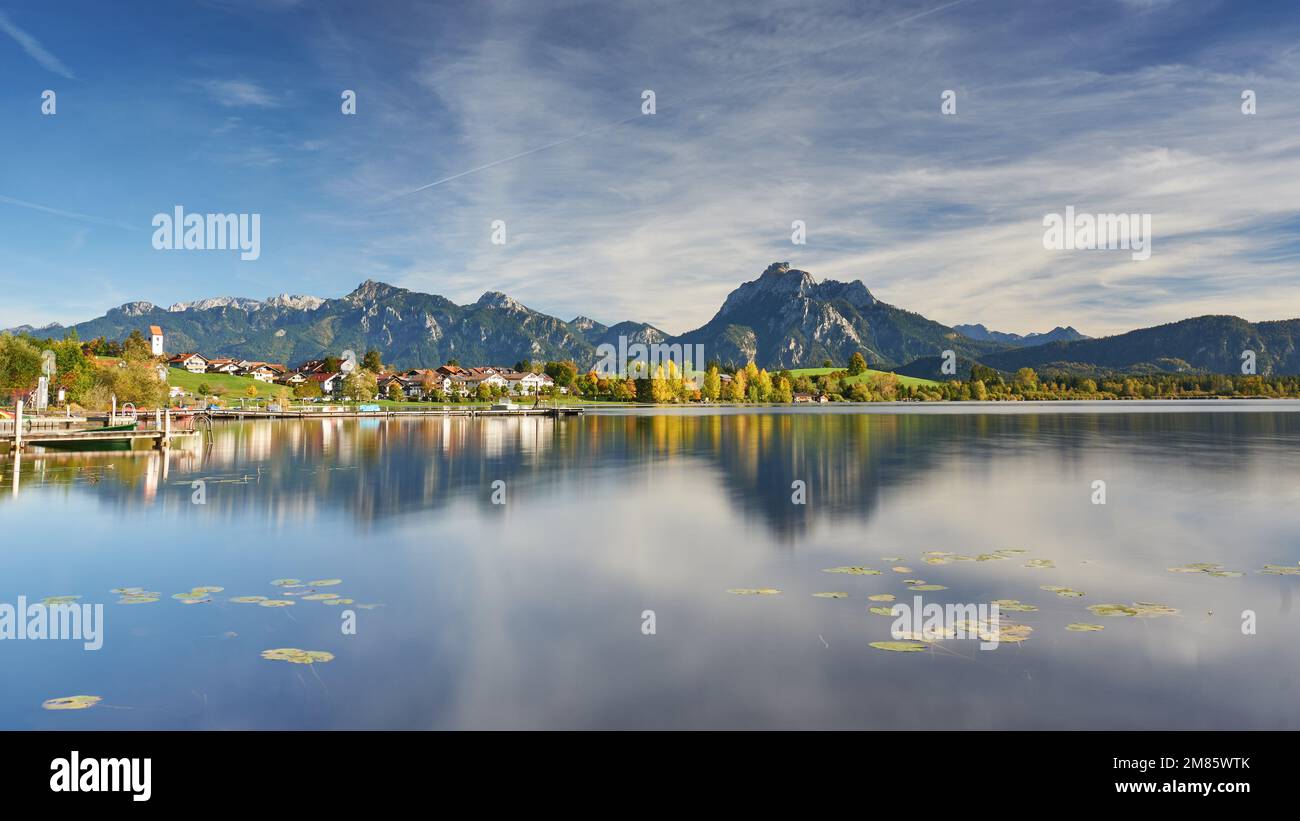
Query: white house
[
  {"x": 191, "y": 362},
  {"x": 330, "y": 383},
  {"x": 527, "y": 383}
]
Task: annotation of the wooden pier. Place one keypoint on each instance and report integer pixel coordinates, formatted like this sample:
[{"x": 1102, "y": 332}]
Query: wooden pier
[{"x": 20, "y": 433}]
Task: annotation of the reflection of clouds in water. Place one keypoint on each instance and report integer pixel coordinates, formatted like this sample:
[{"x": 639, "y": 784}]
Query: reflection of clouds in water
[
  {"x": 529, "y": 614},
  {"x": 549, "y": 636}
]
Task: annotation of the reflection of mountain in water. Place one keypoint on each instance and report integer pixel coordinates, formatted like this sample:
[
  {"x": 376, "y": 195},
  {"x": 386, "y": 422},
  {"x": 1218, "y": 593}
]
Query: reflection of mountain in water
[{"x": 374, "y": 470}]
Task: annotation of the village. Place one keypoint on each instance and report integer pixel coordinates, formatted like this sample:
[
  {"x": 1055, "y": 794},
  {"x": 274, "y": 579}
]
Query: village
[
  {"x": 316, "y": 379},
  {"x": 336, "y": 378}
]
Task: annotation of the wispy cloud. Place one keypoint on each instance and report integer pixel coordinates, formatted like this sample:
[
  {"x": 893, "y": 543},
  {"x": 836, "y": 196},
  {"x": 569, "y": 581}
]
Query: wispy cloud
[
  {"x": 767, "y": 113},
  {"x": 34, "y": 49},
  {"x": 239, "y": 94},
  {"x": 760, "y": 124},
  {"x": 73, "y": 215}
]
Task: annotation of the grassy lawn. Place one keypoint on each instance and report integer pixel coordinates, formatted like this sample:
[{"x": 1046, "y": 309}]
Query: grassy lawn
[
  {"x": 232, "y": 386},
  {"x": 902, "y": 380}
]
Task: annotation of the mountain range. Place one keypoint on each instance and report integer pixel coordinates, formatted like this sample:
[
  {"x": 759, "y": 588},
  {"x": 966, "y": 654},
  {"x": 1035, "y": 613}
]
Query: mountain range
[
  {"x": 785, "y": 318},
  {"x": 1057, "y": 334}
]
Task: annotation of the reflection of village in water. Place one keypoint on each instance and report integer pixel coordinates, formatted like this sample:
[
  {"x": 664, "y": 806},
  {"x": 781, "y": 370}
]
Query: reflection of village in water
[
  {"x": 372, "y": 468},
  {"x": 530, "y": 614}
]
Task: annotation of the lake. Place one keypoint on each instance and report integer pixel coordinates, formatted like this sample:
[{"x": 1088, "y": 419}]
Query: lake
[{"x": 532, "y": 612}]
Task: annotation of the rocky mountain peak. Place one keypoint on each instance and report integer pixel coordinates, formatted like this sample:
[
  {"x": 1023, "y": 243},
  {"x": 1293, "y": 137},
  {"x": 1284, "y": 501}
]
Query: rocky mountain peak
[
  {"x": 496, "y": 299},
  {"x": 370, "y": 290},
  {"x": 136, "y": 308},
  {"x": 302, "y": 302}
]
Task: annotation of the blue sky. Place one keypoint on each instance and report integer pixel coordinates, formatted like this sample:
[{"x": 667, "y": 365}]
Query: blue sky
[{"x": 767, "y": 112}]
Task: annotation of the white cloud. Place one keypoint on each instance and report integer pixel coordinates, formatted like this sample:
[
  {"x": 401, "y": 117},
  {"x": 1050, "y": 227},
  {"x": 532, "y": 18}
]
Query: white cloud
[
  {"x": 239, "y": 93},
  {"x": 34, "y": 49}
]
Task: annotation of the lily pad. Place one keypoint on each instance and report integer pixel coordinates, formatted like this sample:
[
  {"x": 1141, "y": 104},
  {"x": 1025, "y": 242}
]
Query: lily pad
[
  {"x": 295, "y": 656},
  {"x": 320, "y": 596},
  {"x": 1280, "y": 570},
  {"x": 337, "y": 601},
  {"x": 275, "y": 603},
  {"x": 834, "y": 595},
  {"x": 48, "y": 600},
  {"x": 900, "y": 646},
  {"x": 1112, "y": 610},
  {"x": 70, "y": 703},
  {"x": 927, "y": 587},
  {"x": 754, "y": 591},
  {"x": 1084, "y": 627},
  {"x": 1142, "y": 609},
  {"x": 248, "y": 599},
  {"x": 881, "y": 611},
  {"x": 901, "y": 569},
  {"x": 882, "y": 597},
  {"x": 1064, "y": 592},
  {"x": 1015, "y": 606},
  {"x": 287, "y": 583},
  {"x": 1014, "y": 633},
  {"x": 1208, "y": 568},
  {"x": 1040, "y": 563},
  {"x": 853, "y": 571},
  {"x": 324, "y": 582},
  {"x": 1148, "y": 609},
  {"x": 139, "y": 599}
]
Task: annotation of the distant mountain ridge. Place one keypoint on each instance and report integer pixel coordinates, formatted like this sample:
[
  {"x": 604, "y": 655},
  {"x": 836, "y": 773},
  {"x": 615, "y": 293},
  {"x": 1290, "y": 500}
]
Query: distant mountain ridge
[
  {"x": 784, "y": 318},
  {"x": 409, "y": 328},
  {"x": 982, "y": 334}
]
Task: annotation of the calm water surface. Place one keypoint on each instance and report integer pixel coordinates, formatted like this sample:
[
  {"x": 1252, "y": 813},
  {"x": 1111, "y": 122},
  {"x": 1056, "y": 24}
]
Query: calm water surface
[{"x": 529, "y": 614}]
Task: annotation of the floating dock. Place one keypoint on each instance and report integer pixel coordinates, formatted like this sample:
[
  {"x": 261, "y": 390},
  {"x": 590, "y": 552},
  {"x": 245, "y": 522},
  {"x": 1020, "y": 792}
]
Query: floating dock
[{"x": 69, "y": 433}]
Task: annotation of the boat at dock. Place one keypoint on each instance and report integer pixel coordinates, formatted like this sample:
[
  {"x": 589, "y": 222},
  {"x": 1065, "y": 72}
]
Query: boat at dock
[{"x": 94, "y": 444}]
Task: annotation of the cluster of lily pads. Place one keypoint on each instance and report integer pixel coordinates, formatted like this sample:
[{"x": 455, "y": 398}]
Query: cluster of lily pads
[
  {"x": 1215, "y": 569},
  {"x": 296, "y": 588},
  {"x": 290, "y": 589},
  {"x": 1209, "y": 569},
  {"x": 997, "y": 629},
  {"x": 197, "y": 595},
  {"x": 136, "y": 595},
  {"x": 1280, "y": 570}
]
